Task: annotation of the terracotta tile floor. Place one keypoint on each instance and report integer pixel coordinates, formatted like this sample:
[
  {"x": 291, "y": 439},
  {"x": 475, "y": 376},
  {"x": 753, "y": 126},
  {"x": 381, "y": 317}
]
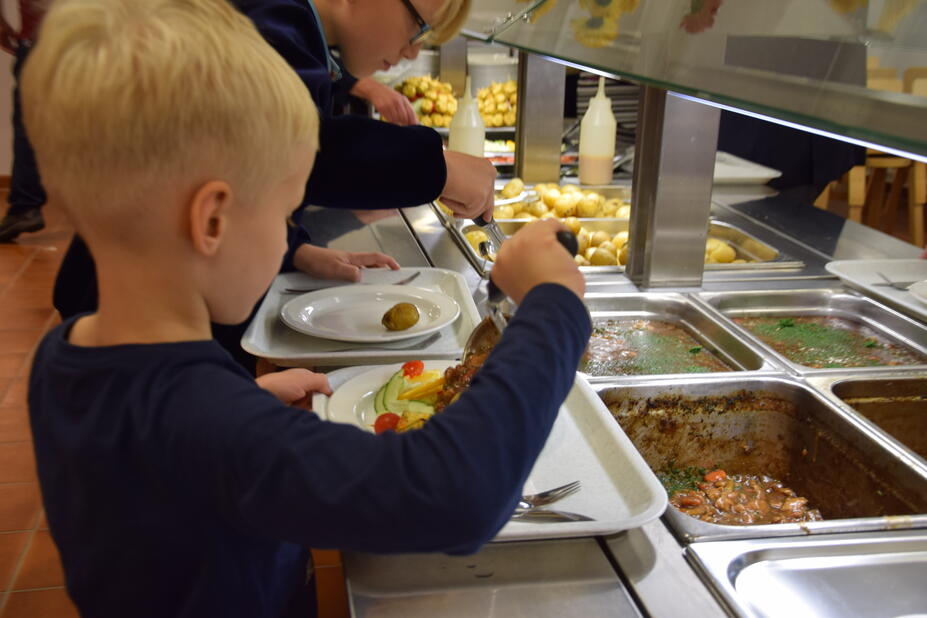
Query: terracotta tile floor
[{"x": 31, "y": 579}]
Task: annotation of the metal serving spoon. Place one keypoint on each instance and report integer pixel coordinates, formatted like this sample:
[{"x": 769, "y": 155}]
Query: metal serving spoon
[{"x": 487, "y": 333}]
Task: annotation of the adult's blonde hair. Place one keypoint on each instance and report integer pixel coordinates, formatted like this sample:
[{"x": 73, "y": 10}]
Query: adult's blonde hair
[
  {"x": 123, "y": 97},
  {"x": 448, "y": 21}
]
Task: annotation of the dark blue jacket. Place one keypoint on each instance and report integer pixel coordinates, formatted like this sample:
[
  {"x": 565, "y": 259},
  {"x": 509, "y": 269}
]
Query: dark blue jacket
[{"x": 174, "y": 486}]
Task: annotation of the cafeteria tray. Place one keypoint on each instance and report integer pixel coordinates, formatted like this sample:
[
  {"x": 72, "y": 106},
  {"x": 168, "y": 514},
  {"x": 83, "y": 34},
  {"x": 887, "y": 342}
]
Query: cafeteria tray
[
  {"x": 778, "y": 426},
  {"x": 712, "y": 333},
  {"x": 895, "y": 405},
  {"x": 618, "y": 489},
  {"x": 863, "y": 275},
  {"x": 841, "y": 576},
  {"x": 747, "y": 247},
  {"x": 838, "y": 303},
  {"x": 268, "y": 337}
]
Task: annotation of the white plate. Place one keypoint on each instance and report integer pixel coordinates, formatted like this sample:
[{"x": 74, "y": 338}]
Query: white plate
[
  {"x": 353, "y": 401},
  {"x": 354, "y": 312},
  {"x": 268, "y": 337},
  {"x": 618, "y": 489},
  {"x": 863, "y": 275}
]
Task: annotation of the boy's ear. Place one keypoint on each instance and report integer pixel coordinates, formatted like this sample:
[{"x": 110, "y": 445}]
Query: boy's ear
[{"x": 208, "y": 216}]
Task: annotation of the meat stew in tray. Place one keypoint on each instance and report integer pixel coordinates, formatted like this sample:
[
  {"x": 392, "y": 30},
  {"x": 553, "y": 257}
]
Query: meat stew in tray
[{"x": 735, "y": 455}]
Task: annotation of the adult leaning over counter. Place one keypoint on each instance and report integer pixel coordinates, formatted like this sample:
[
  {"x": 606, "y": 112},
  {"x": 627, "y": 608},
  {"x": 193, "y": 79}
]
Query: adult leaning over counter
[{"x": 362, "y": 163}]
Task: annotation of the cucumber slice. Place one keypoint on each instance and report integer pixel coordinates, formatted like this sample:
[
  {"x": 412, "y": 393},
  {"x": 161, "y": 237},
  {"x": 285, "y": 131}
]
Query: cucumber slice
[
  {"x": 420, "y": 407},
  {"x": 378, "y": 406},
  {"x": 391, "y": 395}
]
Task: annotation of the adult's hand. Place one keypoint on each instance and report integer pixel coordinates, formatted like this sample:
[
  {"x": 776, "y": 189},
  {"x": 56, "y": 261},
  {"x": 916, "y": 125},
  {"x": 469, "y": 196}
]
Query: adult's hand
[
  {"x": 392, "y": 106},
  {"x": 339, "y": 265},
  {"x": 469, "y": 191},
  {"x": 534, "y": 256}
]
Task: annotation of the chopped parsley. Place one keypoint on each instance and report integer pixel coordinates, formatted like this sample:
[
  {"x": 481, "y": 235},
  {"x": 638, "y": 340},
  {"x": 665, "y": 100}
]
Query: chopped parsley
[{"x": 676, "y": 479}]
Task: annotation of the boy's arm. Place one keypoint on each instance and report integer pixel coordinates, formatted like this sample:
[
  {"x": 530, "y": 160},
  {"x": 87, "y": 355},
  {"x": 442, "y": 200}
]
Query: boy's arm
[{"x": 450, "y": 486}]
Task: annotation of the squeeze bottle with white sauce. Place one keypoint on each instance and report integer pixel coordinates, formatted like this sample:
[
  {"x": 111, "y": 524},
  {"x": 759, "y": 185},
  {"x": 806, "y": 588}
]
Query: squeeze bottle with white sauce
[
  {"x": 597, "y": 140},
  {"x": 467, "y": 132}
]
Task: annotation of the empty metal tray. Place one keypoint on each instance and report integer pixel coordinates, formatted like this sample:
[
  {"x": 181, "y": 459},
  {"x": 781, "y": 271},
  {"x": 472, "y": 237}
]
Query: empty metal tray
[
  {"x": 895, "y": 405},
  {"x": 708, "y": 331},
  {"x": 874, "y": 575},
  {"x": 777, "y": 426},
  {"x": 839, "y": 303}
]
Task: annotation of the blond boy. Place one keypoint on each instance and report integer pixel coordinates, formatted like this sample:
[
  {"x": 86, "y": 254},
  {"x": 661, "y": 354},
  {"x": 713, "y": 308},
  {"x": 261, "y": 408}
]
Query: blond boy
[{"x": 172, "y": 483}]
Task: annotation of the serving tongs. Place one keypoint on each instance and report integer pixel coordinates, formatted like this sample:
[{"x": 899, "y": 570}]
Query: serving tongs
[{"x": 486, "y": 334}]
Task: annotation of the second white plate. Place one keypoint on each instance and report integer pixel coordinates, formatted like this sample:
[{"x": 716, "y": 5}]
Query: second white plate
[{"x": 354, "y": 313}]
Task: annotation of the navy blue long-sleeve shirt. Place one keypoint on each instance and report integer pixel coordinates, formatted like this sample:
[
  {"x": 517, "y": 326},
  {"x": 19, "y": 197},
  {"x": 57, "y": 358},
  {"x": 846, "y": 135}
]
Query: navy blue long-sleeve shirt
[{"x": 174, "y": 486}]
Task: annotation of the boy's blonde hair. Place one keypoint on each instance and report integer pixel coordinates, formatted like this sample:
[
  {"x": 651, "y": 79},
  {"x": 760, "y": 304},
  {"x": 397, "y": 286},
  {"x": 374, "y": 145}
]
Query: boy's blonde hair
[
  {"x": 449, "y": 20},
  {"x": 125, "y": 97}
]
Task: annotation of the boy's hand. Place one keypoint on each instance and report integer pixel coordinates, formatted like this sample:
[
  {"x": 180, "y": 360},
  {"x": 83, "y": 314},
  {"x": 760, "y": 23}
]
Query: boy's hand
[
  {"x": 339, "y": 265},
  {"x": 8, "y": 37},
  {"x": 469, "y": 190},
  {"x": 295, "y": 387},
  {"x": 392, "y": 105},
  {"x": 534, "y": 256}
]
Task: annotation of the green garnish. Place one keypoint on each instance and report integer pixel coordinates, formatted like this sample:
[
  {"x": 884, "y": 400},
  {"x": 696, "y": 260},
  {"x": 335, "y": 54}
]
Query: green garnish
[
  {"x": 695, "y": 350},
  {"x": 676, "y": 479},
  {"x": 786, "y": 323},
  {"x": 871, "y": 343}
]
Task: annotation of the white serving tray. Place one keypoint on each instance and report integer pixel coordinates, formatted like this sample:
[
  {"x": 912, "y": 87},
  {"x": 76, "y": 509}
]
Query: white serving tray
[
  {"x": 268, "y": 337},
  {"x": 862, "y": 274},
  {"x": 732, "y": 170},
  {"x": 618, "y": 488}
]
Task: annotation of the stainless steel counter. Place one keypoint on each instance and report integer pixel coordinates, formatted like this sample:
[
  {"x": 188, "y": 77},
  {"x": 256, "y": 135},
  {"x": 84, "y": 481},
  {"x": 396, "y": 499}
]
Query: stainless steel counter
[{"x": 640, "y": 572}]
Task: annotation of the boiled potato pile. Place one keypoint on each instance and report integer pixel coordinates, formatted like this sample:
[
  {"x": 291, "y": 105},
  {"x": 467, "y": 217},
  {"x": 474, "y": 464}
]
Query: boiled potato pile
[
  {"x": 560, "y": 202},
  {"x": 433, "y": 101},
  {"x": 599, "y": 248},
  {"x": 497, "y": 104}
]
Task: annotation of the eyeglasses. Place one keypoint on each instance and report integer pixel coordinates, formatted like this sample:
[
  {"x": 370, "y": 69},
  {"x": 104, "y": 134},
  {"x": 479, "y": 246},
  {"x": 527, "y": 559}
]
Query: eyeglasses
[{"x": 423, "y": 27}]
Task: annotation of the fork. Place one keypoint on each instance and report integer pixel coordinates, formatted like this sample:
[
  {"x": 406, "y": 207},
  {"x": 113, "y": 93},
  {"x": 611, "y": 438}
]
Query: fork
[
  {"x": 898, "y": 285},
  {"x": 403, "y": 281},
  {"x": 549, "y": 496}
]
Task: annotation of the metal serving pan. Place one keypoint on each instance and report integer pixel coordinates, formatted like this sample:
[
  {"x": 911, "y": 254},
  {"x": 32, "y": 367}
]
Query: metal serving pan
[
  {"x": 839, "y": 303},
  {"x": 895, "y": 405},
  {"x": 705, "y": 327},
  {"x": 759, "y": 254},
  {"x": 778, "y": 426},
  {"x": 842, "y": 575}
]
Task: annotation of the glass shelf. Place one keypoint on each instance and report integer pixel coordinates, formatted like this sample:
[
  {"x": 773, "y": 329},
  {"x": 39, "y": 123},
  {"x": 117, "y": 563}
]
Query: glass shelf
[{"x": 855, "y": 68}]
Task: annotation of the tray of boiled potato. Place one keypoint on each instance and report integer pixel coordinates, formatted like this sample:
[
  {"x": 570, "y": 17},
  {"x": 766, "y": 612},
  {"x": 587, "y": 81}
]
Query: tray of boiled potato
[{"x": 599, "y": 216}]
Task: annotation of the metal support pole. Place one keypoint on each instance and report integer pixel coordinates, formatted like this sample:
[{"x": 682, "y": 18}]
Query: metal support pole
[
  {"x": 453, "y": 63},
  {"x": 671, "y": 202},
  {"x": 541, "y": 86}
]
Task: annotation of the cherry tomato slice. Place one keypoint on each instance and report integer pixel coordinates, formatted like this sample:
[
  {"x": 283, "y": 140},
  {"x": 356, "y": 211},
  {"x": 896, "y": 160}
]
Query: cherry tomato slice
[
  {"x": 385, "y": 422},
  {"x": 413, "y": 368}
]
